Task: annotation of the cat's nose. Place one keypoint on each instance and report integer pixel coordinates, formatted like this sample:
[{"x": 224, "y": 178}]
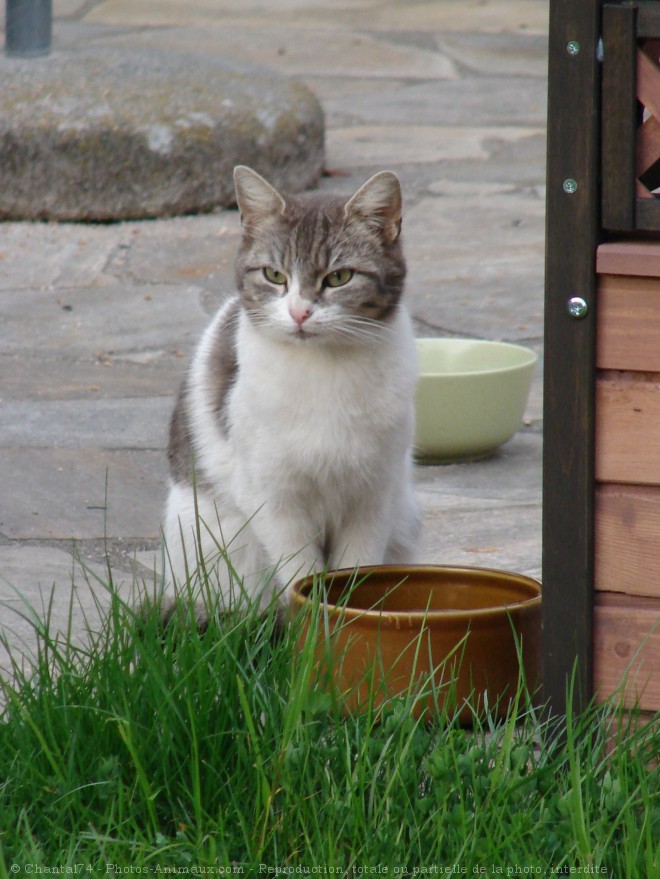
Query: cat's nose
[{"x": 300, "y": 312}]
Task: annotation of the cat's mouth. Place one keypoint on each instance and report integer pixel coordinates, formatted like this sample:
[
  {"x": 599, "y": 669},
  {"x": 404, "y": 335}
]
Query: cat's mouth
[{"x": 303, "y": 334}]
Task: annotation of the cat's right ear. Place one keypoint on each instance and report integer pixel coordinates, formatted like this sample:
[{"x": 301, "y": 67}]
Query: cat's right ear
[{"x": 255, "y": 197}]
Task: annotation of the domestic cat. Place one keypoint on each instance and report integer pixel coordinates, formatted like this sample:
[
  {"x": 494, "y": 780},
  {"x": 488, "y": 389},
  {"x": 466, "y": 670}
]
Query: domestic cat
[{"x": 290, "y": 442}]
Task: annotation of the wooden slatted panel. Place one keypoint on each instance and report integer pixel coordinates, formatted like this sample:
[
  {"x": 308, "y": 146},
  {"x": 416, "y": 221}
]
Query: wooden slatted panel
[
  {"x": 627, "y": 507},
  {"x": 629, "y": 322},
  {"x": 627, "y": 649},
  {"x": 648, "y": 93},
  {"x": 627, "y": 542}
]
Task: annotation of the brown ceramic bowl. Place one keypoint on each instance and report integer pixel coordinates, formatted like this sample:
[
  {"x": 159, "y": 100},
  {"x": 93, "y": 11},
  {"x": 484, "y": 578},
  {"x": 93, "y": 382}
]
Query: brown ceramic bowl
[{"x": 391, "y": 626}]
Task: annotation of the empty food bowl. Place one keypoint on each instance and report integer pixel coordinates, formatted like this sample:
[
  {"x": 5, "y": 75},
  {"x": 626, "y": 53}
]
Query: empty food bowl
[
  {"x": 384, "y": 631},
  {"x": 471, "y": 397}
]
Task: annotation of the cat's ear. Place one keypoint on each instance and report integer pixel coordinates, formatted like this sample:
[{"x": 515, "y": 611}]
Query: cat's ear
[
  {"x": 379, "y": 201},
  {"x": 255, "y": 196}
]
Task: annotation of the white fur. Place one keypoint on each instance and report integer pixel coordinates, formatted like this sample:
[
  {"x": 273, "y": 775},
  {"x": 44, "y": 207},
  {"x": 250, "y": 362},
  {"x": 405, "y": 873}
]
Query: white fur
[{"x": 318, "y": 453}]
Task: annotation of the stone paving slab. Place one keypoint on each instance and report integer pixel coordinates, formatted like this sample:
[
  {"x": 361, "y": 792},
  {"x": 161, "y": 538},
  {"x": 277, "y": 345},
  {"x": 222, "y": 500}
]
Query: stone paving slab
[
  {"x": 199, "y": 251},
  {"x": 100, "y": 321},
  {"x": 498, "y": 101},
  {"x": 68, "y": 254},
  {"x": 55, "y": 376},
  {"x": 486, "y": 513},
  {"x": 133, "y": 423},
  {"x": 384, "y": 144},
  {"x": 60, "y": 494},
  {"x": 527, "y": 16},
  {"x": 499, "y": 54},
  {"x": 280, "y": 49},
  {"x": 40, "y": 583}
]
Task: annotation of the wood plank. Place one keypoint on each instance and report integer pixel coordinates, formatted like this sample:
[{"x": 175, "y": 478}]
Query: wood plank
[
  {"x": 627, "y": 547},
  {"x": 628, "y": 427},
  {"x": 648, "y": 20},
  {"x": 647, "y": 214},
  {"x": 618, "y": 118},
  {"x": 627, "y": 652},
  {"x": 648, "y": 146},
  {"x": 628, "y": 323},
  {"x": 572, "y": 230},
  {"x": 648, "y": 83},
  {"x": 637, "y": 258}
]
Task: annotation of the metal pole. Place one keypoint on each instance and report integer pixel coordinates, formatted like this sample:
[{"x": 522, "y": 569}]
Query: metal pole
[{"x": 28, "y": 27}]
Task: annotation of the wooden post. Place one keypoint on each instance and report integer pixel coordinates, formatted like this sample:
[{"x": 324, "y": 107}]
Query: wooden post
[{"x": 572, "y": 229}]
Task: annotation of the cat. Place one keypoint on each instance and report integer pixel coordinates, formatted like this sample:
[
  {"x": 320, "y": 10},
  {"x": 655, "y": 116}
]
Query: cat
[{"x": 291, "y": 439}]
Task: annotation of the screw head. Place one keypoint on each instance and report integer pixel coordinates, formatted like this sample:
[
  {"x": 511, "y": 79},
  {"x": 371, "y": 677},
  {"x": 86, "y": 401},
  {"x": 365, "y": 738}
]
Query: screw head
[
  {"x": 570, "y": 186},
  {"x": 573, "y": 47},
  {"x": 577, "y": 307}
]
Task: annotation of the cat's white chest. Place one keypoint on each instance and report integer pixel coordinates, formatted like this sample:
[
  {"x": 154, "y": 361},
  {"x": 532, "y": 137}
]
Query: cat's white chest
[{"x": 312, "y": 410}]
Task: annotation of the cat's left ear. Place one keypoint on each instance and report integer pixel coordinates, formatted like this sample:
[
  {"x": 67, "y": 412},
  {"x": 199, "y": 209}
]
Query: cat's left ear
[
  {"x": 255, "y": 197},
  {"x": 379, "y": 201}
]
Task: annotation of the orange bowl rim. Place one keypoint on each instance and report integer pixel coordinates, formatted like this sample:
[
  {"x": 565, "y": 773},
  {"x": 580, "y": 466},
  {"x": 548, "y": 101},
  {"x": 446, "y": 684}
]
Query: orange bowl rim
[{"x": 349, "y": 612}]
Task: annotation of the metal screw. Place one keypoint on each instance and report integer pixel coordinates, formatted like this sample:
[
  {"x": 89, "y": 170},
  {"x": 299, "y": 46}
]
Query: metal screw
[
  {"x": 573, "y": 47},
  {"x": 577, "y": 307},
  {"x": 570, "y": 186}
]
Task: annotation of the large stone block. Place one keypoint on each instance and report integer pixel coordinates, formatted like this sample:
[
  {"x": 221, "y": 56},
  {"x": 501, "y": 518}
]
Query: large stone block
[{"x": 116, "y": 134}]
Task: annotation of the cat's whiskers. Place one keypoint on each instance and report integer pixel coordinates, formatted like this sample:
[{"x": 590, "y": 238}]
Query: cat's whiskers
[
  {"x": 337, "y": 326},
  {"x": 368, "y": 326},
  {"x": 353, "y": 333}
]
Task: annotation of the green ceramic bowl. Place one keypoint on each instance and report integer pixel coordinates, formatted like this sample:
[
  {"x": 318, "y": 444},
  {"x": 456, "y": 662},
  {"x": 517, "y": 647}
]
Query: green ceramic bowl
[
  {"x": 471, "y": 397},
  {"x": 391, "y": 627}
]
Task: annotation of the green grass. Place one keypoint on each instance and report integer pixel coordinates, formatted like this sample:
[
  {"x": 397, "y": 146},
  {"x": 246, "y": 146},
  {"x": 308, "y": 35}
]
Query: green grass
[{"x": 156, "y": 752}]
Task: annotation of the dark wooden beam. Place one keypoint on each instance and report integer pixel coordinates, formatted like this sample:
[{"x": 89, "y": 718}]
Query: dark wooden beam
[
  {"x": 647, "y": 214},
  {"x": 648, "y": 20},
  {"x": 618, "y": 118},
  {"x": 572, "y": 231}
]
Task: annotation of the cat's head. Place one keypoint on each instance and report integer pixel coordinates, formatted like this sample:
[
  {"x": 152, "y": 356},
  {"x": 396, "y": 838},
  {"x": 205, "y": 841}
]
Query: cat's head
[{"x": 320, "y": 267}]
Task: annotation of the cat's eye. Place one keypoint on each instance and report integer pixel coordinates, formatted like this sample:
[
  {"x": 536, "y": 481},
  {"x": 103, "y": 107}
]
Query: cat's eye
[
  {"x": 274, "y": 275},
  {"x": 338, "y": 278}
]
